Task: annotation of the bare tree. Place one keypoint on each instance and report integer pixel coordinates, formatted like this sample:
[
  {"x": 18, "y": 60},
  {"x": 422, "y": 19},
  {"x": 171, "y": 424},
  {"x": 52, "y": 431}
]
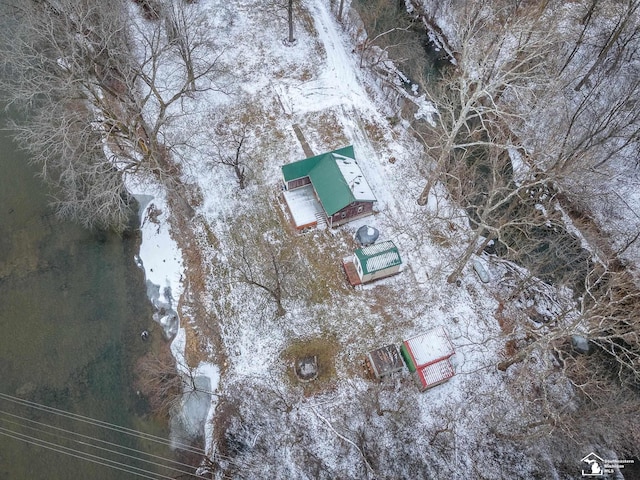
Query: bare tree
[
  {"x": 189, "y": 32},
  {"x": 285, "y": 9},
  {"x": 165, "y": 380},
  {"x": 586, "y": 22},
  {"x": 340, "y": 10},
  {"x": 597, "y": 122},
  {"x": 494, "y": 100},
  {"x": 627, "y": 17},
  {"x": 604, "y": 314},
  {"x": 266, "y": 268},
  {"x": 230, "y": 147},
  {"x": 470, "y": 141},
  {"x": 53, "y": 51},
  {"x": 497, "y": 64},
  {"x": 475, "y": 166},
  {"x": 590, "y": 131},
  {"x": 576, "y": 369},
  {"x": 262, "y": 257},
  {"x": 387, "y": 34},
  {"x": 291, "y": 39},
  {"x": 499, "y": 209},
  {"x": 160, "y": 94},
  {"x": 159, "y": 381},
  {"x": 89, "y": 77}
]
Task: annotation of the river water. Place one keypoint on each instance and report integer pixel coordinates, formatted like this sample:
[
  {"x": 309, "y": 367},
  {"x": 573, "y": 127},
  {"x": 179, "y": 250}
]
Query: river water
[{"x": 72, "y": 307}]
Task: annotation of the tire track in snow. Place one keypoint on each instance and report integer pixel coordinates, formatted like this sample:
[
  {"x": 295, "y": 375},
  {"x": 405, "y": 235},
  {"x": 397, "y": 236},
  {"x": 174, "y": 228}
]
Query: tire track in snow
[
  {"x": 356, "y": 108},
  {"x": 341, "y": 75}
]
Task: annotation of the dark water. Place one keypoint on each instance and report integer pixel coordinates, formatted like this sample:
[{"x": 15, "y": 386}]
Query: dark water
[{"x": 72, "y": 306}]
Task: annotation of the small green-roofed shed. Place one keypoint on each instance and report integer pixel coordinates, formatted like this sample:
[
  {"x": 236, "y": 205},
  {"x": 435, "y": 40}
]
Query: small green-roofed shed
[{"x": 377, "y": 261}]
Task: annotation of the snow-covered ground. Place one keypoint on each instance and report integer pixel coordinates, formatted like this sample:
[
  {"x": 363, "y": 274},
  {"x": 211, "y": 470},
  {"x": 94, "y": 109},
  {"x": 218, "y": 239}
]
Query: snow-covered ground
[
  {"x": 347, "y": 425},
  {"x": 161, "y": 260}
]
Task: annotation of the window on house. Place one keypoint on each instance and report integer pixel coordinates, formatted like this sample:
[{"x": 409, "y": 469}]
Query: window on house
[
  {"x": 343, "y": 215},
  {"x": 360, "y": 208}
]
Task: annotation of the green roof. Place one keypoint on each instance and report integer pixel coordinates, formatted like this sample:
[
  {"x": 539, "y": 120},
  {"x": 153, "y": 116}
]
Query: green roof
[
  {"x": 332, "y": 190},
  {"x": 300, "y": 169},
  {"x": 407, "y": 358},
  {"x": 378, "y": 257},
  {"x": 335, "y": 177}
]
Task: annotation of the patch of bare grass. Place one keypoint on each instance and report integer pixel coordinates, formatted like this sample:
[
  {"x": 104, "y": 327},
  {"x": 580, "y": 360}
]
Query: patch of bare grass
[
  {"x": 212, "y": 240},
  {"x": 191, "y": 306},
  {"x": 374, "y": 131},
  {"x": 439, "y": 238},
  {"x": 319, "y": 257},
  {"x": 324, "y": 253},
  {"x": 305, "y": 18},
  {"x": 195, "y": 345},
  {"x": 324, "y": 131},
  {"x": 325, "y": 349},
  {"x": 305, "y": 74},
  {"x": 385, "y": 303}
]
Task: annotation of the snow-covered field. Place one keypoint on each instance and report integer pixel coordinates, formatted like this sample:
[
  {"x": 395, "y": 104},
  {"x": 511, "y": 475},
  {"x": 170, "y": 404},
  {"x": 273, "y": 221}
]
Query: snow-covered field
[{"x": 261, "y": 423}]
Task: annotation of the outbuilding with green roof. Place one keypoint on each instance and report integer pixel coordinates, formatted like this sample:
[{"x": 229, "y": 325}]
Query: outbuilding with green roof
[{"x": 377, "y": 261}]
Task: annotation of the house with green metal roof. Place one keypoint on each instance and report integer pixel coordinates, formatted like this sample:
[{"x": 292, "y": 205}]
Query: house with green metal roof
[
  {"x": 337, "y": 182},
  {"x": 376, "y": 261}
]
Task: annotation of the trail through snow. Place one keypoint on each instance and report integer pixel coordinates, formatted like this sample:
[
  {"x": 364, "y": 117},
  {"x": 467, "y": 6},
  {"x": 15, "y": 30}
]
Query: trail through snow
[{"x": 338, "y": 83}]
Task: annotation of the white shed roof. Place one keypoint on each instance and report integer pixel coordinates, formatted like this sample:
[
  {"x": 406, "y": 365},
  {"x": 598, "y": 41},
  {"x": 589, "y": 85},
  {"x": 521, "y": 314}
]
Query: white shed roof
[
  {"x": 302, "y": 205},
  {"x": 430, "y": 347},
  {"x": 435, "y": 373}
]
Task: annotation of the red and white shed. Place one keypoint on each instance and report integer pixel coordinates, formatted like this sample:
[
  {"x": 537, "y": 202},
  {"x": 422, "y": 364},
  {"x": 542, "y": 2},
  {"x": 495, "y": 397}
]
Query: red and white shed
[{"x": 428, "y": 356}]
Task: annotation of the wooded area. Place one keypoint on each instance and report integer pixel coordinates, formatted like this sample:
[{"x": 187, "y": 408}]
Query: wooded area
[
  {"x": 535, "y": 117},
  {"x": 94, "y": 88}
]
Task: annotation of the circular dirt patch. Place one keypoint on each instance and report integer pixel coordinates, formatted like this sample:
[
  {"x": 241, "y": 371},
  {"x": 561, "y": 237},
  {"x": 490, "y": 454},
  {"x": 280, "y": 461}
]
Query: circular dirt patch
[{"x": 312, "y": 362}]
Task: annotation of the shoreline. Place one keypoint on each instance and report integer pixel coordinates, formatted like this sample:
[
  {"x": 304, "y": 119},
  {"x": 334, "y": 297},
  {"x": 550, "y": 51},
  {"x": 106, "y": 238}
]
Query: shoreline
[{"x": 165, "y": 263}]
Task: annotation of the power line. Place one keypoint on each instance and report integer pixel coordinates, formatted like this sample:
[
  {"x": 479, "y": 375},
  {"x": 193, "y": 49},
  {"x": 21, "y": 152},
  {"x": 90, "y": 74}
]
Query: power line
[
  {"x": 84, "y": 456},
  {"x": 103, "y": 424},
  {"x": 58, "y": 432},
  {"x": 88, "y": 437}
]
